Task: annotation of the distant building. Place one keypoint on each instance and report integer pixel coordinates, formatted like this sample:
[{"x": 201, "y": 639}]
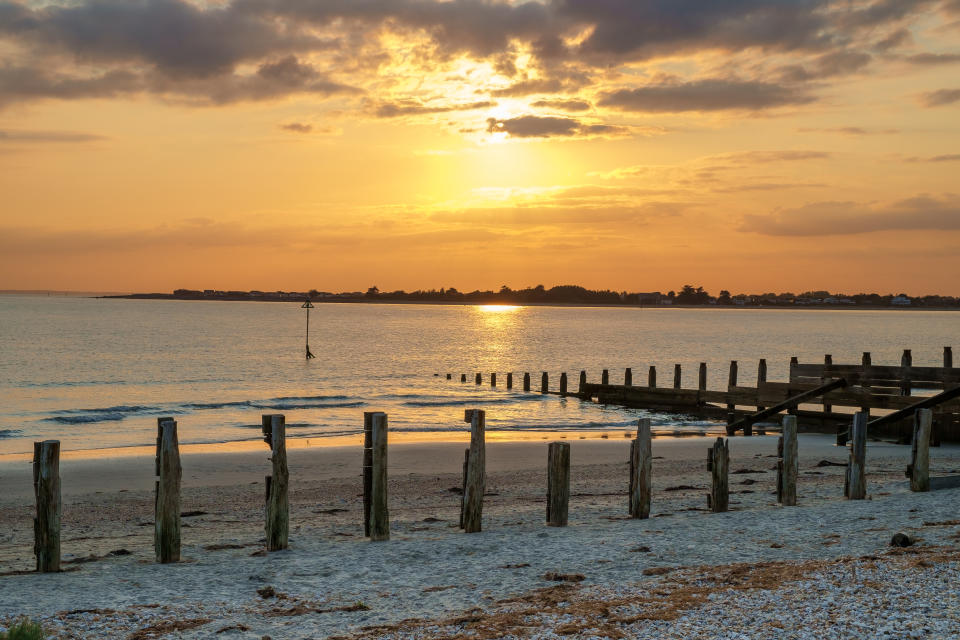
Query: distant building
[{"x": 901, "y": 301}]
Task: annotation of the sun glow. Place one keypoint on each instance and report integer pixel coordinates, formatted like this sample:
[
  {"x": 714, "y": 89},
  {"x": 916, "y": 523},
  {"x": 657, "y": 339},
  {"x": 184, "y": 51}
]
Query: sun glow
[{"x": 499, "y": 308}]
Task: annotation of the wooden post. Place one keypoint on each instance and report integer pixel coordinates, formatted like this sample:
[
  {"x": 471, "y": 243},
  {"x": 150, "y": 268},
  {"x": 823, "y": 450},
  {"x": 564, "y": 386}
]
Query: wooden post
[
  {"x": 827, "y": 365},
  {"x": 563, "y": 383},
  {"x": 641, "y": 461},
  {"x": 718, "y": 463},
  {"x": 526, "y": 381},
  {"x": 761, "y": 379},
  {"x": 790, "y": 462},
  {"x": 379, "y": 511},
  {"x": 652, "y": 377},
  {"x": 628, "y": 377},
  {"x": 493, "y": 379},
  {"x": 558, "y": 483},
  {"x": 865, "y": 362},
  {"x": 463, "y": 377},
  {"x": 583, "y": 381},
  {"x": 947, "y": 358},
  {"x": 46, "y": 490},
  {"x": 476, "y": 472},
  {"x": 906, "y": 361},
  {"x": 920, "y": 458},
  {"x": 449, "y": 376},
  {"x": 478, "y": 379},
  {"x": 278, "y": 506},
  {"x": 856, "y": 469},
  {"x": 731, "y": 383},
  {"x": 702, "y": 377},
  {"x": 166, "y": 525},
  {"x": 367, "y": 468},
  {"x": 510, "y": 381},
  {"x": 463, "y": 486},
  {"x": 677, "y": 376},
  {"x": 605, "y": 377},
  {"x": 544, "y": 383}
]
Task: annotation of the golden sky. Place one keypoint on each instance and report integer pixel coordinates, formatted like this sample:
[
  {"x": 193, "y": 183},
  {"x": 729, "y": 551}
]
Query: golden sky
[{"x": 636, "y": 145}]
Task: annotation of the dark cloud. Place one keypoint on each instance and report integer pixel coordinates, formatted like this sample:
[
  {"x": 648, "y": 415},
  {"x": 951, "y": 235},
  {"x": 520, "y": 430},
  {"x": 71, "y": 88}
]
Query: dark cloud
[
  {"x": 847, "y": 218},
  {"x": 940, "y": 97},
  {"x": 415, "y": 107},
  {"x": 297, "y": 127},
  {"x": 563, "y": 105},
  {"x": 550, "y": 127},
  {"x": 848, "y": 131},
  {"x": 930, "y": 59},
  {"x": 705, "y": 95},
  {"x": 25, "y": 83},
  {"x": 47, "y": 136},
  {"x": 948, "y": 157},
  {"x": 835, "y": 63}
]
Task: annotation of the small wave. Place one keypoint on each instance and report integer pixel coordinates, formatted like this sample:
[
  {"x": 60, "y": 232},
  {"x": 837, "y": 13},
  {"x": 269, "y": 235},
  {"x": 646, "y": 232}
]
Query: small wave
[
  {"x": 10, "y": 433},
  {"x": 307, "y": 398},
  {"x": 289, "y": 425},
  {"x": 217, "y": 405},
  {"x": 289, "y": 406},
  {"x": 107, "y": 414},
  {"x": 457, "y": 403}
]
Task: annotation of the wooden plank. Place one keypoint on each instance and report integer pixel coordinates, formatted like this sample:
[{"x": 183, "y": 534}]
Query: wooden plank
[
  {"x": 379, "y": 508},
  {"x": 166, "y": 531},
  {"x": 558, "y": 483},
  {"x": 856, "y": 468},
  {"x": 926, "y": 403},
  {"x": 920, "y": 459},
  {"x": 790, "y": 403},
  {"x": 46, "y": 524},
  {"x": 367, "y": 468},
  {"x": 277, "y": 525},
  {"x": 790, "y": 462},
  {"x": 641, "y": 463},
  {"x": 476, "y": 472}
]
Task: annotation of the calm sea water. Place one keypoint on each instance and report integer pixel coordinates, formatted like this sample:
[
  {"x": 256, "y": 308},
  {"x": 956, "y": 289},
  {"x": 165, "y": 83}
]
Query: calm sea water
[{"x": 96, "y": 373}]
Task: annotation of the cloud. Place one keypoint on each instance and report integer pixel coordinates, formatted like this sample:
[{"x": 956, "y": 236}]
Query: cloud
[
  {"x": 297, "y": 127},
  {"x": 848, "y": 131},
  {"x": 415, "y": 107},
  {"x": 550, "y": 127},
  {"x": 930, "y": 59},
  {"x": 48, "y": 136},
  {"x": 563, "y": 105},
  {"x": 705, "y": 95},
  {"x": 949, "y": 157},
  {"x": 940, "y": 97},
  {"x": 848, "y": 218}
]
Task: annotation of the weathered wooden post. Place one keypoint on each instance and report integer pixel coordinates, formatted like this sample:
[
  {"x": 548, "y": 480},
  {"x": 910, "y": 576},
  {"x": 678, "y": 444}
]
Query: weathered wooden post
[
  {"x": 641, "y": 462},
  {"x": 379, "y": 511},
  {"x": 827, "y": 373},
  {"x": 278, "y": 506},
  {"x": 677, "y": 376},
  {"x": 948, "y": 358},
  {"x": 476, "y": 472},
  {"x": 605, "y": 377},
  {"x": 526, "y": 381},
  {"x": 761, "y": 380},
  {"x": 583, "y": 382},
  {"x": 46, "y": 490},
  {"x": 919, "y": 469},
  {"x": 652, "y": 377},
  {"x": 731, "y": 383},
  {"x": 493, "y": 379},
  {"x": 702, "y": 377},
  {"x": 718, "y": 463},
  {"x": 856, "y": 469},
  {"x": 449, "y": 376},
  {"x": 906, "y": 361},
  {"x": 563, "y": 383},
  {"x": 628, "y": 377},
  {"x": 558, "y": 483},
  {"x": 544, "y": 383},
  {"x": 865, "y": 363},
  {"x": 788, "y": 494},
  {"x": 463, "y": 377},
  {"x": 478, "y": 379},
  {"x": 166, "y": 524},
  {"x": 510, "y": 381},
  {"x": 367, "y": 468},
  {"x": 463, "y": 486}
]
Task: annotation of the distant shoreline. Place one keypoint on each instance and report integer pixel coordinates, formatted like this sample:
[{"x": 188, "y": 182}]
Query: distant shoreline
[{"x": 480, "y": 303}]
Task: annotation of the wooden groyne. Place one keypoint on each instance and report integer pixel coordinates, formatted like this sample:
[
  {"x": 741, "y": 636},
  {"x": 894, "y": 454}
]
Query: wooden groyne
[{"x": 822, "y": 396}]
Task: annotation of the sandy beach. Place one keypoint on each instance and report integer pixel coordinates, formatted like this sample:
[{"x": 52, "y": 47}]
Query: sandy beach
[{"x": 333, "y": 582}]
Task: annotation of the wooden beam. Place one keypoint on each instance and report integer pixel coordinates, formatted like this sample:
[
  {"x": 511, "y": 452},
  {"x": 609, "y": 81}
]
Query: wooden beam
[
  {"x": 166, "y": 531},
  {"x": 46, "y": 489},
  {"x": 558, "y": 483},
  {"x": 379, "y": 507}
]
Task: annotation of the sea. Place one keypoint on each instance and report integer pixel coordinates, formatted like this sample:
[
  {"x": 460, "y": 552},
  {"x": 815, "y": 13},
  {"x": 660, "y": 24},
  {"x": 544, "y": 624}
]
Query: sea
[{"x": 95, "y": 373}]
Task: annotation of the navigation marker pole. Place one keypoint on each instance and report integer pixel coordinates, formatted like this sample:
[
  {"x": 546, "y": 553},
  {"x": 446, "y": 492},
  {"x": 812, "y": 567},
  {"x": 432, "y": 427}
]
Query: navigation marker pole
[{"x": 308, "y": 305}]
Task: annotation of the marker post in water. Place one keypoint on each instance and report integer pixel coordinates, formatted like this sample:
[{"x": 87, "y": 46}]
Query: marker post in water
[{"x": 308, "y": 305}]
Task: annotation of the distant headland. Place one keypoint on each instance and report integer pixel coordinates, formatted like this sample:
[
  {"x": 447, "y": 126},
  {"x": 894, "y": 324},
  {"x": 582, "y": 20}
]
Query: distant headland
[{"x": 573, "y": 295}]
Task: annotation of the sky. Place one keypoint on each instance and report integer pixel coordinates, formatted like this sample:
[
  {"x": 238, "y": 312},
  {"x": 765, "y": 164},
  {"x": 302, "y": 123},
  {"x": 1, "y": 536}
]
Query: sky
[{"x": 755, "y": 146}]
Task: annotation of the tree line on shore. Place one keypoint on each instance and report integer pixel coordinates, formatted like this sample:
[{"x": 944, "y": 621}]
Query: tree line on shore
[{"x": 573, "y": 294}]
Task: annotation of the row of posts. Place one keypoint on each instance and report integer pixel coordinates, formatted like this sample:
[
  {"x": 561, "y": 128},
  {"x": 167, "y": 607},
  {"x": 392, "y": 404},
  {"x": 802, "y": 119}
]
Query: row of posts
[
  {"x": 376, "y": 519},
  {"x": 605, "y": 378}
]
